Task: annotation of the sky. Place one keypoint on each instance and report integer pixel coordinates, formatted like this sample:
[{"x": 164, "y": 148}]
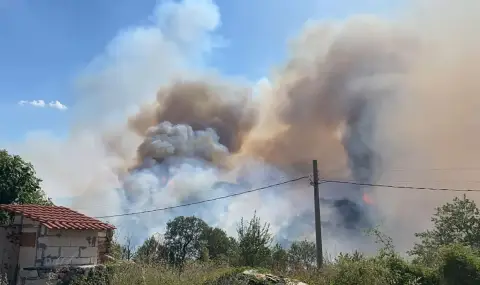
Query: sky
[{"x": 47, "y": 45}]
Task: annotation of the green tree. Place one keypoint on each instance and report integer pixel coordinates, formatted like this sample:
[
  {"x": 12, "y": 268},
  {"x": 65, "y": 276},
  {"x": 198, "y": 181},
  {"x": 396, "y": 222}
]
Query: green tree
[
  {"x": 18, "y": 182},
  {"x": 302, "y": 254},
  {"x": 254, "y": 240},
  {"x": 457, "y": 222},
  {"x": 459, "y": 265},
  {"x": 151, "y": 251},
  {"x": 279, "y": 258},
  {"x": 233, "y": 253},
  {"x": 183, "y": 239},
  {"x": 217, "y": 242}
]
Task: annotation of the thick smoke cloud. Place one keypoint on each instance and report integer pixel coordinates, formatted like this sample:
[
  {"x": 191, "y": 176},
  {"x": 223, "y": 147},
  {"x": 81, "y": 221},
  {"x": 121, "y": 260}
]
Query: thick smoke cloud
[
  {"x": 372, "y": 100},
  {"x": 166, "y": 140},
  {"x": 314, "y": 96},
  {"x": 202, "y": 104}
]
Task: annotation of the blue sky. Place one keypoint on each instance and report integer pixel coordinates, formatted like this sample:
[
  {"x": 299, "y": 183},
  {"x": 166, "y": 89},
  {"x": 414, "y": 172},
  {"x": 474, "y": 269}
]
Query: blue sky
[{"x": 45, "y": 45}]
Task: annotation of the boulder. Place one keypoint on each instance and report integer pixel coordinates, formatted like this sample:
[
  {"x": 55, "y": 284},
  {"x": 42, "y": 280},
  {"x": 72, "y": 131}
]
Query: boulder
[
  {"x": 253, "y": 277},
  {"x": 265, "y": 278}
]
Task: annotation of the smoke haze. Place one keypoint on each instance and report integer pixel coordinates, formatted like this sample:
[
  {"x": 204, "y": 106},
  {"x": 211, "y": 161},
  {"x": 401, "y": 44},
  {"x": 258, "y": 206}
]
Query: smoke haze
[{"x": 372, "y": 100}]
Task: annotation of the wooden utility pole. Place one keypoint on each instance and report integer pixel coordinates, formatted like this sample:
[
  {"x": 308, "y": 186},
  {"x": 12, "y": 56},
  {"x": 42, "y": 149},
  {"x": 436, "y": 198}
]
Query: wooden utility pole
[{"x": 318, "y": 223}]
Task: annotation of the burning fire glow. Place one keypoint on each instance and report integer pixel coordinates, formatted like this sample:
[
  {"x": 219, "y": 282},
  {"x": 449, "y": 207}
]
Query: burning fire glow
[{"x": 367, "y": 199}]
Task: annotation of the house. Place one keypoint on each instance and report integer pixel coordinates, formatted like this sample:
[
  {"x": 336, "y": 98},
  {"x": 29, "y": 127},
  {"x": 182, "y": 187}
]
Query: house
[{"x": 39, "y": 239}]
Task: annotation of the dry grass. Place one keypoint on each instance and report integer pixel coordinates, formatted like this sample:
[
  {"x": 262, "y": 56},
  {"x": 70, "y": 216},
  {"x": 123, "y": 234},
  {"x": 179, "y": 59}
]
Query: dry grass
[
  {"x": 199, "y": 274},
  {"x": 363, "y": 271},
  {"x": 162, "y": 275}
]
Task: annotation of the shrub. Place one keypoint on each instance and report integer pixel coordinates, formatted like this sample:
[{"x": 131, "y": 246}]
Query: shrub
[{"x": 459, "y": 265}]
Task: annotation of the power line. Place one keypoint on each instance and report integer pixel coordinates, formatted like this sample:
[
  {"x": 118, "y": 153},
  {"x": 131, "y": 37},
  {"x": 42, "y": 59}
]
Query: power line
[
  {"x": 290, "y": 181},
  {"x": 387, "y": 170},
  {"x": 205, "y": 201},
  {"x": 399, "y": 186},
  {"x": 435, "y": 169}
]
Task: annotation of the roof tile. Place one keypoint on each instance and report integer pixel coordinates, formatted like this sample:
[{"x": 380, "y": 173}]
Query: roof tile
[{"x": 56, "y": 217}]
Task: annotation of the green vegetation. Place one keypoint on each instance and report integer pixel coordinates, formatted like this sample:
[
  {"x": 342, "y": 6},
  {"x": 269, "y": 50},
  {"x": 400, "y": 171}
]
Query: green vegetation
[{"x": 18, "y": 182}]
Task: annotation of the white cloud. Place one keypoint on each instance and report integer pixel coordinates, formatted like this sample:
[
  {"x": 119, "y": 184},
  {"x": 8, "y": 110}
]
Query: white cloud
[
  {"x": 57, "y": 105},
  {"x": 35, "y": 103},
  {"x": 41, "y": 104}
]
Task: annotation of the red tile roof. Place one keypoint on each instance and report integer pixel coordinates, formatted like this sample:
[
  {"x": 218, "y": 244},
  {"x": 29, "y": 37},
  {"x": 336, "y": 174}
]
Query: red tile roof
[{"x": 56, "y": 217}]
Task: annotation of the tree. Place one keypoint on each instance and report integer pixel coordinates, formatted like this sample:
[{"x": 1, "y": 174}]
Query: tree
[
  {"x": 302, "y": 254},
  {"x": 254, "y": 240},
  {"x": 183, "y": 239},
  {"x": 457, "y": 222},
  {"x": 18, "y": 182},
  {"x": 125, "y": 251},
  {"x": 151, "y": 251},
  {"x": 217, "y": 242},
  {"x": 233, "y": 253},
  {"x": 279, "y": 258}
]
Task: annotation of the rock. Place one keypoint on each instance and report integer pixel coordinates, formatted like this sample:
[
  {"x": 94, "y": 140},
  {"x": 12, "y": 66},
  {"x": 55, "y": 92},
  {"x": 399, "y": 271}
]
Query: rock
[
  {"x": 252, "y": 277},
  {"x": 266, "y": 278}
]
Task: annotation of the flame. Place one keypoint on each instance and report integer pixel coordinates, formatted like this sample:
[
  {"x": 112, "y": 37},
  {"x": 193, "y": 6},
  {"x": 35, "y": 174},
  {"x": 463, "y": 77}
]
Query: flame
[{"x": 367, "y": 199}]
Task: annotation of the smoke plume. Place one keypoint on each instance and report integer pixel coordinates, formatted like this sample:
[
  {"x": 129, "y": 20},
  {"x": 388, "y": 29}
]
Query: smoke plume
[{"x": 374, "y": 101}]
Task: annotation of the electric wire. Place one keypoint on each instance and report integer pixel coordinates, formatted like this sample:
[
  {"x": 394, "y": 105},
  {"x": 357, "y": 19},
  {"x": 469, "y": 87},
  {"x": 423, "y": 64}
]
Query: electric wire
[
  {"x": 205, "y": 201},
  {"x": 321, "y": 181},
  {"x": 399, "y": 186}
]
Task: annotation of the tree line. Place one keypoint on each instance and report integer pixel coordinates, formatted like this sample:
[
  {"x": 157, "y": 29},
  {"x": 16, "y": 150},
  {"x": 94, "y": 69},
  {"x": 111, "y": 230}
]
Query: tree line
[{"x": 190, "y": 239}]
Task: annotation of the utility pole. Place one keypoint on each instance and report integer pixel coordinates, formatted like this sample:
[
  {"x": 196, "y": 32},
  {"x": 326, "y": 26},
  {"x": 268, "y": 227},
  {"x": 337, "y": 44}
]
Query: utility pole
[{"x": 318, "y": 223}]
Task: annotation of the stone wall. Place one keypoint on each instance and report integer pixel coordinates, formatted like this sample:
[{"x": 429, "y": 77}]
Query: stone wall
[{"x": 104, "y": 245}]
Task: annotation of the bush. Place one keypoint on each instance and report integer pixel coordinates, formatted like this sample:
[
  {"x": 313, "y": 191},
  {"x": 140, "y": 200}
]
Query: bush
[
  {"x": 403, "y": 272},
  {"x": 459, "y": 265},
  {"x": 99, "y": 275}
]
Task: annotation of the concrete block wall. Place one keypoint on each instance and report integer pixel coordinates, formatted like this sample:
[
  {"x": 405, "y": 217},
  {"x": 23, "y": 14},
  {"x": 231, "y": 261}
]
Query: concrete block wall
[
  {"x": 57, "y": 247},
  {"x": 67, "y": 247},
  {"x": 27, "y": 253},
  {"x": 105, "y": 239},
  {"x": 44, "y": 248}
]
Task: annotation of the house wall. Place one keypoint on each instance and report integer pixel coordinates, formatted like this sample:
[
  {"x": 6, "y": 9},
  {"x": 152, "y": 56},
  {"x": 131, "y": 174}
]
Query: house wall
[
  {"x": 67, "y": 247},
  {"x": 104, "y": 244},
  {"x": 8, "y": 253},
  {"x": 5, "y": 246},
  {"x": 41, "y": 247}
]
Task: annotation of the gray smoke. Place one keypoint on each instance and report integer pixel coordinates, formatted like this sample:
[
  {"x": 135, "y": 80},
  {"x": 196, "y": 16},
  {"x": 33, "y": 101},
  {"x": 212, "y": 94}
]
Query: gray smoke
[{"x": 166, "y": 140}]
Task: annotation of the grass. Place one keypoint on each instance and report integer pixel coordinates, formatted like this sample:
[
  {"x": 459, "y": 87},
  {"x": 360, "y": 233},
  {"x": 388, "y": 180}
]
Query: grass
[
  {"x": 193, "y": 274},
  {"x": 451, "y": 265},
  {"x": 360, "y": 272},
  {"x": 158, "y": 274}
]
